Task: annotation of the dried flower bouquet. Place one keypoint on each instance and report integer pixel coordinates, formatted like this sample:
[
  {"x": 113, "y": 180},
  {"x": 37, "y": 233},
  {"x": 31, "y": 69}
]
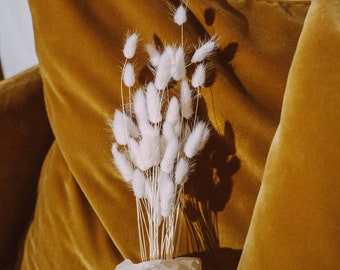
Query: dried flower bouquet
[{"x": 157, "y": 136}]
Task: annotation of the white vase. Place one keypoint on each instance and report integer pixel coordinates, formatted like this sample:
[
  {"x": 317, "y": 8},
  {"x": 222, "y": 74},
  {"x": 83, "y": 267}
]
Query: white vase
[{"x": 180, "y": 263}]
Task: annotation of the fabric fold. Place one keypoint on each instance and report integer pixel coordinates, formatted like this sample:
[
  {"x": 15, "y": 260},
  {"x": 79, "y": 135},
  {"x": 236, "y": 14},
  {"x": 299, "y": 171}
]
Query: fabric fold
[{"x": 295, "y": 224}]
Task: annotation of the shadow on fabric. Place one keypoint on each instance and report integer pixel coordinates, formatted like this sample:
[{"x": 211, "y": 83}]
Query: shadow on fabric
[{"x": 206, "y": 193}]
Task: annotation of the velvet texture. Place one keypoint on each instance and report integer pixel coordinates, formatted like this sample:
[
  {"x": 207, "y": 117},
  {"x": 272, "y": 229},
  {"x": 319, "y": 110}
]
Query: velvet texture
[
  {"x": 295, "y": 223},
  {"x": 24, "y": 141},
  {"x": 85, "y": 216}
]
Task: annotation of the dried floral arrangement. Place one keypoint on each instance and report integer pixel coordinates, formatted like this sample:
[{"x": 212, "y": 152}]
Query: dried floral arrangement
[{"x": 157, "y": 135}]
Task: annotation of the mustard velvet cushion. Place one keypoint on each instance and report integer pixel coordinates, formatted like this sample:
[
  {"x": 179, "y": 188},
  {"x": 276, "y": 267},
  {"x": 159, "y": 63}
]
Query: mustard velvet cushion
[
  {"x": 85, "y": 215},
  {"x": 25, "y": 137},
  {"x": 296, "y": 223}
]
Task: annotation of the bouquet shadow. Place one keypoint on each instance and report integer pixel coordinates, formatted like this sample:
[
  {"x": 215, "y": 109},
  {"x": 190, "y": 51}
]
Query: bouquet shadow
[
  {"x": 218, "y": 258},
  {"x": 206, "y": 193}
]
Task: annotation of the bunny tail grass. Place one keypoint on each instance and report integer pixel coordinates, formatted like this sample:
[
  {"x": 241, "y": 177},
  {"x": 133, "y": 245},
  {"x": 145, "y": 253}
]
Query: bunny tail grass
[
  {"x": 122, "y": 164},
  {"x": 130, "y": 46},
  {"x": 180, "y": 16},
  {"x": 181, "y": 172},
  {"x": 154, "y": 54},
  {"x": 163, "y": 71},
  {"x": 204, "y": 51},
  {"x": 140, "y": 108},
  {"x": 123, "y": 127},
  {"x": 138, "y": 184},
  {"x": 186, "y": 100},
  {"x": 170, "y": 154},
  {"x": 166, "y": 194},
  {"x": 173, "y": 112},
  {"x": 178, "y": 69},
  {"x": 194, "y": 141},
  {"x": 129, "y": 75},
  {"x": 198, "y": 78},
  {"x": 158, "y": 133},
  {"x": 154, "y": 104}
]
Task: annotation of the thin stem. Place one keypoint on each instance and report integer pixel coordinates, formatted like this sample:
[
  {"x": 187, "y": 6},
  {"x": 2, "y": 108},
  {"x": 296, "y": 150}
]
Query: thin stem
[
  {"x": 182, "y": 35},
  {"x": 121, "y": 87},
  {"x": 140, "y": 223},
  {"x": 214, "y": 110},
  {"x": 197, "y": 101}
]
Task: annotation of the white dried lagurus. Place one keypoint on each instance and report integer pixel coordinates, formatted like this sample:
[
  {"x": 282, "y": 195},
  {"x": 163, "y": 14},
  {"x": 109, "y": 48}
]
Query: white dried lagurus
[
  {"x": 122, "y": 164},
  {"x": 166, "y": 194},
  {"x": 187, "y": 109},
  {"x": 138, "y": 183},
  {"x": 154, "y": 104},
  {"x": 178, "y": 69},
  {"x": 154, "y": 54},
  {"x": 139, "y": 106},
  {"x": 204, "y": 51},
  {"x": 173, "y": 112},
  {"x": 158, "y": 133},
  {"x": 180, "y": 16},
  {"x": 163, "y": 71},
  {"x": 129, "y": 75},
  {"x": 170, "y": 154},
  {"x": 198, "y": 78},
  {"x": 182, "y": 171},
  {"x": 123, "y": 128},
  {"x": 130, "y": 45},
  {"x": 194, "y": 141},
  {"x": 149, "y": 151}
]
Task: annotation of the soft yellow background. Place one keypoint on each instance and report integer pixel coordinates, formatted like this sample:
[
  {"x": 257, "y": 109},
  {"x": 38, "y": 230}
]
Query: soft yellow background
[{"x": 85, "y": 216}]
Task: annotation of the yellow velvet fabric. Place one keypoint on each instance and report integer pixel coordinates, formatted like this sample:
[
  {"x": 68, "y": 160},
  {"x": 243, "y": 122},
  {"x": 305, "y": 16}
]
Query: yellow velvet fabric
[
  {"x": 296, "y": 221},
  {"x": 25, "y": 137},
  {"x": 85, "y": 216}
]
